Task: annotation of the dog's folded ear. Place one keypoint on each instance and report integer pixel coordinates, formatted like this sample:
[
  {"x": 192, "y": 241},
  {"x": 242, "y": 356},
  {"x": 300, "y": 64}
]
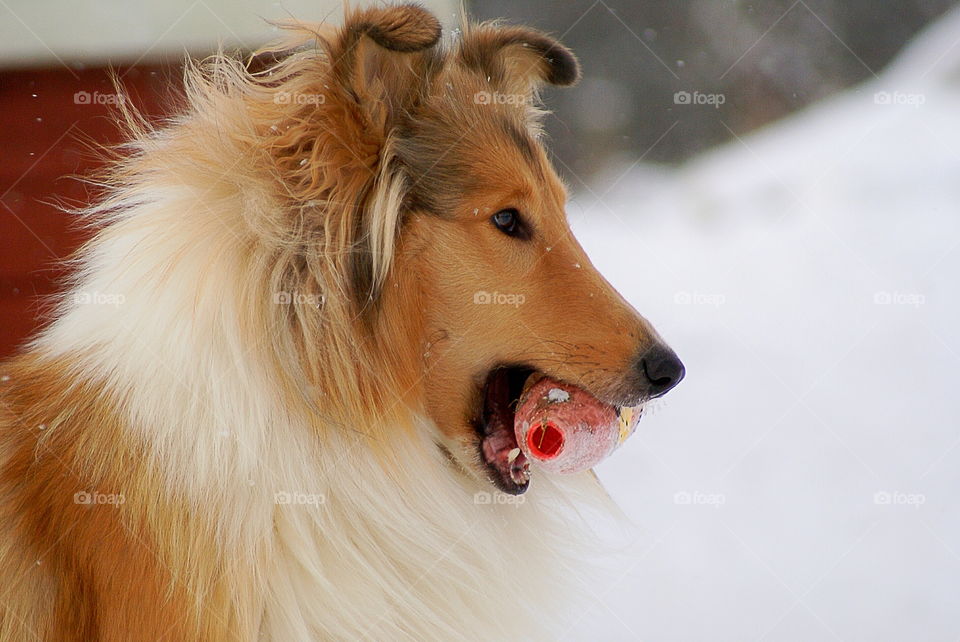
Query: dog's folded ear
[
  {"x": 380, "y": 59},
  {"x": 405, "y": 27},
  {"x": 518, "y": 59},
  {"x": 357, "y": 78}
]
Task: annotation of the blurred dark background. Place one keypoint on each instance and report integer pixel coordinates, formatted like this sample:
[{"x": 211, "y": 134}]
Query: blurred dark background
[{"x": 766, "y": 59}]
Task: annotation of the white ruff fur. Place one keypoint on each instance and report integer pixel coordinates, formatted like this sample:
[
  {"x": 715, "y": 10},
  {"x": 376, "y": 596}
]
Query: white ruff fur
[{"x": 401, "y": 552}]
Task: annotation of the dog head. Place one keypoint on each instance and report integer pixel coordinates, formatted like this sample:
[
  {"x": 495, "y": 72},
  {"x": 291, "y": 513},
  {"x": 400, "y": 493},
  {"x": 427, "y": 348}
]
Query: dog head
[{"x": 440, "y": 243}]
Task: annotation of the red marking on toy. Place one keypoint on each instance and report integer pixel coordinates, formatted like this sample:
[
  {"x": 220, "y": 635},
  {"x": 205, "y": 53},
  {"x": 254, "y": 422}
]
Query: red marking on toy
[
  {"x": 545, "y": 441},
  {"x": 565, "y": 429}
]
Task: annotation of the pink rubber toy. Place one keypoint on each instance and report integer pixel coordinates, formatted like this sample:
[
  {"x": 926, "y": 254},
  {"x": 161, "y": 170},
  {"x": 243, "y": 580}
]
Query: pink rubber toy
[{"x": 565, "y": 430}]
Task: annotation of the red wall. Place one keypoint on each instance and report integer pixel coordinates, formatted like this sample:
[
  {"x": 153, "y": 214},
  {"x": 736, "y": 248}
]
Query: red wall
[{"x": 44, "y": 125}]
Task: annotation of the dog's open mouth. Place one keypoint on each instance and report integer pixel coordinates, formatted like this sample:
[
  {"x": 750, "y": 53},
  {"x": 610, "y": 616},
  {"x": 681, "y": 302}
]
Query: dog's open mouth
[{"x": 508, "y": 464}]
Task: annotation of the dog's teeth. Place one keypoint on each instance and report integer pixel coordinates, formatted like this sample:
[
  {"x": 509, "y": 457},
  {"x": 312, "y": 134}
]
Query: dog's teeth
[
  {"x": 520, "y": 474},
  {"x": 513, "y": 455}
]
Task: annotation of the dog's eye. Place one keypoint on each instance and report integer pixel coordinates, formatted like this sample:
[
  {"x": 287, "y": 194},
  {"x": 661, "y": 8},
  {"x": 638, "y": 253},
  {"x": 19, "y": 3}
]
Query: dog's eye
[{"x": 508, "y": 222}]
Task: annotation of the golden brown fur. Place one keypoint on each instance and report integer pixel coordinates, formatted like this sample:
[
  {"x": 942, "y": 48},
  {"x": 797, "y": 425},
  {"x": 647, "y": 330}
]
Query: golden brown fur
[{"x": 359, "y": 171}]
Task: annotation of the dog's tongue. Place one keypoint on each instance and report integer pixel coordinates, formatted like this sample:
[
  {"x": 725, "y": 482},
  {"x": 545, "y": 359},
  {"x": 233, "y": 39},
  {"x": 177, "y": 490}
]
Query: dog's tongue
[{"x": 564, "y": 429}]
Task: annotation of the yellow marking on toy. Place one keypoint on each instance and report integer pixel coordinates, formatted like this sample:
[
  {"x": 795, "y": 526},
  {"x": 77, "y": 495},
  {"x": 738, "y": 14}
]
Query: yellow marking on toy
[{"x": 625, "y": 418}]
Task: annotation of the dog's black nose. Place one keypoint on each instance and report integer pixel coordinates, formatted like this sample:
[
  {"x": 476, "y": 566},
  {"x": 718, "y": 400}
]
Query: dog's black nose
[{"x": 662, "y": 368}]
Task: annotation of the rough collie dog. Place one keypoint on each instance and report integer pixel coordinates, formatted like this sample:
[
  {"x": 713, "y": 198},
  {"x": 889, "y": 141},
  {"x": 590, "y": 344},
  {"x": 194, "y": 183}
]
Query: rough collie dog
[{"x": 271, "y": 404}]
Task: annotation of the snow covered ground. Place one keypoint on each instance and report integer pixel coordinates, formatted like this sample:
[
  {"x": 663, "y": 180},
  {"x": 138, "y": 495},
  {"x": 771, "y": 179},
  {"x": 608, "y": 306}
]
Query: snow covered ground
[{"x": 802, "y": 483}]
